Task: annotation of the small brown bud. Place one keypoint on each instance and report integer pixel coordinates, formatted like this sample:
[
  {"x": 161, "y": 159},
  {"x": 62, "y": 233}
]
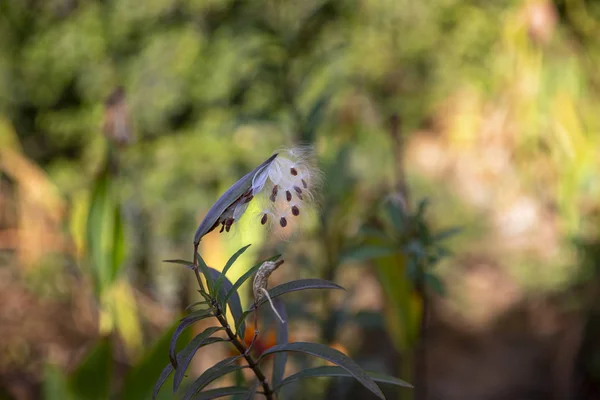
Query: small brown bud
[
  {"x": 295, "y": 211},
  {"x": 288, "y": 195},
  {"x": 264, "y": 219},
  {"x": 293, "y": 171},
  {"x": 283, "y": 222}
]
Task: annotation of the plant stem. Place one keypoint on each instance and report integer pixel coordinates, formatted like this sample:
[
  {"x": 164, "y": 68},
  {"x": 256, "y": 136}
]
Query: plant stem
[{"x": 241, "y": 347}]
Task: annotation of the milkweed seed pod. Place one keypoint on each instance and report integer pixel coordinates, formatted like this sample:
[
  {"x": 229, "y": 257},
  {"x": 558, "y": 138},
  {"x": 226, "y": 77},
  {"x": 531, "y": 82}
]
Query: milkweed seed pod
[{"x": 285, "y": 185}]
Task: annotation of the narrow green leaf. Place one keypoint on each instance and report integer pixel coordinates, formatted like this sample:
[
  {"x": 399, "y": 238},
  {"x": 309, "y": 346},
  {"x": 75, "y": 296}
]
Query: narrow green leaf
[
  {"x": 235, "y": 305},
  {"x": 281, "y": 337},
  {"x": 198, "y": 303},
  {"x": 300, "y": 284},
  {"x": 222, "y": 392},
  {"x": 221, "y": 368},
  {"x": 330, "y": 371},
  {"x": 185, "y": 322},
  {"x": 293, "y": 286},
  {"x": 331, "y": 355},
  {"x": 164, "y": 375},
  {"x": 234, "y": 258},
  {"x": 185, "y": 356},
  {"x": 91, "y": 380},
  {"x": 367, "y": 252},
  {"x": 188, "y": 264},
  {"x": 207, "y": 275},
  {"x": 228, "y": 265},
  {"x": 227, "y": 199}
]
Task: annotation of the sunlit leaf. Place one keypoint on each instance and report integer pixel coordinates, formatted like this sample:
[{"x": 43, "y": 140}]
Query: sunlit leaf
[
  {"x": 184, "y": 357},
  {"x": 281, "y": 337},
  {"x": 185, "y": 322},
  {"x": 221, "y": 368},
  {"x": 333, "y": 371},
  {"x": 331, "y": 355},
  {"x": 228, "y": 198}
]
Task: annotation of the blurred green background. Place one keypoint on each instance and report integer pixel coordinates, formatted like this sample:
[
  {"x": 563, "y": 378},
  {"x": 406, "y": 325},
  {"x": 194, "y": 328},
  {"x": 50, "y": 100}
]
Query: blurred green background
[{"x": 122, "y": 121}]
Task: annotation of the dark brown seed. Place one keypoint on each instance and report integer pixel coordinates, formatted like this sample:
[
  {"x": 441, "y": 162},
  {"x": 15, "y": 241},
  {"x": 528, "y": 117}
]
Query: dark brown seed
[
  {"x": 283, "y": 222},
  {"x": 273, "y": 196},
  {"x": 263, "y": 220},
  {"x": 304, "y": 184},
  {"x": 228, "y": 224},
  {"x": 293, "y": 171},
  {"x": 298, "y": 192},
  {"x": 288, "y": 195},
  {"x": 249, "y": 199},
  {"x": 295, "y": 211}
]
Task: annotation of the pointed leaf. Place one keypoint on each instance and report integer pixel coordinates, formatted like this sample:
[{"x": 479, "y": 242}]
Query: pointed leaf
[
  {"x": 326, "y": 371},
  {"x": 185, "y": 356},
  {"x": 198, "y": 303},
  {"x": 55, "y": 385},
  {"x": 367, "y": 252},
  {"x": 207, "y": 275},
  {"x": 164, "y": 375},
  {"x": 228, "y": 265},
  {"x": 331, "y": 355},
  {"x": 300, "y": 284},
  {"x": 227, "y": 199},
  {"x": 293, "y": 286},
  {"x": 216, "y": 371},
  {"x": 281, "y": 336},
  {"x": 185, "y": 322},
  {"x": 235, "y": 305},
  {"x": 188, "y": 264},
  {"x": 234, "y": 258},
  {"x": 222, "y": 392}
]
